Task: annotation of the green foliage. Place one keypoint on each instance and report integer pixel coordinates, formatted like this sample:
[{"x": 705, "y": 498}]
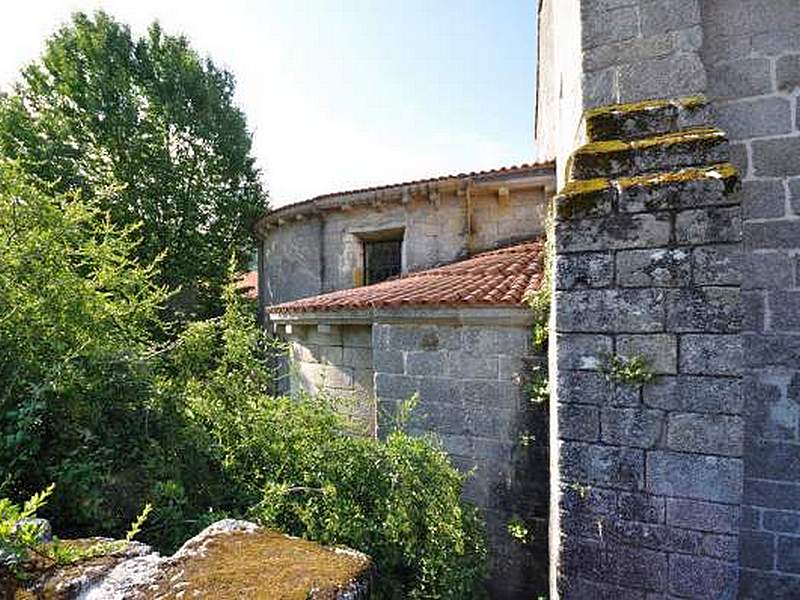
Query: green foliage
[
  {"x": 149, "y": 130},
  {"x": 80, "y": 401},
  {"x": 136, "y": 526},
  {"x": 22, "y": 550},
  {"x": 583, "y": 491},
  {"x": 537, "y": 385},
  {"x": 88, "y": 400},
  {"x": 539, "y": 300},
  {"x": 17, "y": 540},
  {"x": 633, "y": 370},
  {"x": 297, "y": 470},
  {"x": 518, "y": 530}
]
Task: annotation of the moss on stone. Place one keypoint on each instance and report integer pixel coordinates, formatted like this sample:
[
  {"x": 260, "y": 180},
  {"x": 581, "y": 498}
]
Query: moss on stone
[
  {"x": 689, "y": 102},
  {"x": 584, "y": 186},
  {"x": 582, "y": 196},
  {"x": 719, "y": 171},
  {"x": 663, "y": 140},
  {"x": 261, "y": 564}
]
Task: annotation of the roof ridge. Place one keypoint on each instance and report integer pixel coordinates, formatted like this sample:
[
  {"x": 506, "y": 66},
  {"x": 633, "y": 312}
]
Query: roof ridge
[{"x": 506, "y": 169}]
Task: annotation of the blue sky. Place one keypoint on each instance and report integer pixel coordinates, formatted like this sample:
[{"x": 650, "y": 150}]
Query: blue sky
[{"x": 348, "y": 93}]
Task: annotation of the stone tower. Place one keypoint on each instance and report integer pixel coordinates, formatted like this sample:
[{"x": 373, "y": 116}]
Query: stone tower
[{"x": 675, "y": 127}]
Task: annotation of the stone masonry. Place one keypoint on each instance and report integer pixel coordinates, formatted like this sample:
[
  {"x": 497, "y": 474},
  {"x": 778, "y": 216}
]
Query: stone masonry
[
  {"x": 752, "y": 53},
  {"x": 470, "y": 368},
  {"x": 648, "y": 475},
  {"x": 468, "y": 378},
  {"x": 316, "y": 246},
  {"x": 335, "y": 361},
  {"x": 744, "y": 55}
]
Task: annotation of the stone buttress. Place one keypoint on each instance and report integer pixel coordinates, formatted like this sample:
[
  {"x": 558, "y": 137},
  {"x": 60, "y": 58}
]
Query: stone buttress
[{"x": 647, "y": 462}]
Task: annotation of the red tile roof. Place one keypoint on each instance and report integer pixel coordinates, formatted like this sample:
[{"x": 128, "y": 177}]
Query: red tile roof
[{"x": 497, "y": 277}]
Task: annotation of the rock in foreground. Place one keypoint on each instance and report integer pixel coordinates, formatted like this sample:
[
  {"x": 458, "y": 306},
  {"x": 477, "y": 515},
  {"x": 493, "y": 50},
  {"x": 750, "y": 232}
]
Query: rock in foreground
[{"x": 229, "y": 559}]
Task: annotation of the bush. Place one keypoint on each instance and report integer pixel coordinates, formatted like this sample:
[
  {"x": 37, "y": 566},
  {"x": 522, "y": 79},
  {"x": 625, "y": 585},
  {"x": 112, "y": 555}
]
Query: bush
[
  {"x": 298, "y": 471},
  {"x": 81, "y": 404},
  {"x": 89, "y": 401}
]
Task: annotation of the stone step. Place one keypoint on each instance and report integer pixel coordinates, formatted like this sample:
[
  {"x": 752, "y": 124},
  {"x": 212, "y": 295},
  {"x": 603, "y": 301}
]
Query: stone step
[
  {"x": 675, "y": 190},
  {"x": 697, "y": 147},
  {"x": 646, "y": 119}
]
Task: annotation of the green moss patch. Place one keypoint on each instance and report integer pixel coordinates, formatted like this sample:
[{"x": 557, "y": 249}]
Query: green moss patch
[
  {"x": 689, "y": 102},
  {"x": 584, "y": 186},
  {"x": 662, "y": 140},
  {"x": 720, "y": 171},
  {"x": 262, "y": 564}
]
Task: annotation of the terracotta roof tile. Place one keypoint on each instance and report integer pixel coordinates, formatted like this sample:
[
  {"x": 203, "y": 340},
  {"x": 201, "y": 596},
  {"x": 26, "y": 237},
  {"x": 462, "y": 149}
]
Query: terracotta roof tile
[{"x": 496, "y": 277}]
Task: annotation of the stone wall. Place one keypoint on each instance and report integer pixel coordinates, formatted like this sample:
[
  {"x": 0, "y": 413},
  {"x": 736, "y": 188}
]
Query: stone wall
[
  {"x": 612, "y": 51},
  {"x": 292, "y": 261},
  {"x": 649, "y": 472},
  {"x": 471, "y": 368},
  {"x": 744, "y": 55},
  {"x": 468, "y": 378},
  {"x": 752, "y": 54},
  {"x": 336, "y": 361},
  {"x": 559, "y": 102},
  {"x": 323, "y": 252}
]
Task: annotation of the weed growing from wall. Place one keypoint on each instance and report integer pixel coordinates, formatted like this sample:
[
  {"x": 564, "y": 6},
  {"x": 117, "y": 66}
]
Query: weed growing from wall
[
  {"x": 633, "y": 370},
  {"x": 518, "y": 529},
  {"x": 537, "y": 388},
  {"x": 539, "y": 300}
]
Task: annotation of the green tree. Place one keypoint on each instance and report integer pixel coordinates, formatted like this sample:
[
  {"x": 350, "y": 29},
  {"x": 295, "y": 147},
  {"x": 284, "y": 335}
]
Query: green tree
[
  {"x": 148, "y": 129},
  {"x": 75, "y": 313}
]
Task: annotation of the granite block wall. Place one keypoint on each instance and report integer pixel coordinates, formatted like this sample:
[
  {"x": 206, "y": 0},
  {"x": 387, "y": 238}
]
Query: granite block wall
[
  {"x": 334, "y": 360},
  {"x": 650, "y": 475},
  {"x": 752, "y": 55},
  {"x": 599, "y": 52},
  {"x": 647, "y": 468},
  {"x": 472, "y": 396},
  {"x": 744, "y": 56}
]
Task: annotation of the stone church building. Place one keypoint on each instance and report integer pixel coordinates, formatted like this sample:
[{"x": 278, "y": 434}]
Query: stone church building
[
  {"x": 419, "y": 288},
  {"x": 664, "y": 461}
]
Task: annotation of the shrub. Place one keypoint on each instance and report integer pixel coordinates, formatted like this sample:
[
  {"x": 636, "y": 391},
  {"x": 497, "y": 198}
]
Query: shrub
[
  {"x": 297, "y": 470},
  {"x": 90, "y": 401},
  {"x": 80, "y": 401}
]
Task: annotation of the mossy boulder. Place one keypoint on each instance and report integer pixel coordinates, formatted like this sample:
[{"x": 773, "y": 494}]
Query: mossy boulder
[{"x": 229, "y": 559}]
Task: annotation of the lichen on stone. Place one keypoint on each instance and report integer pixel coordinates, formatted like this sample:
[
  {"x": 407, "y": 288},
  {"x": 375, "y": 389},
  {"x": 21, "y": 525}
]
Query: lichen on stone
[
  {"x": 719, "y": 171},
  {"x": 228, "y": 560},
  {"x": 688, "y": 102},
  {"x": 584, "y": 186},
  {"x": 258, "y": 564},
  {"x": 662, "y": 140},
  {"x": 583, "y": 196}
]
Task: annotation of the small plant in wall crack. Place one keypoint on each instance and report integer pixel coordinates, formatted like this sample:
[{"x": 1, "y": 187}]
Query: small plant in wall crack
[
  {"x": 633, "y": 370},
  {"x": 537, "y": 387},
  {"x": 518, "y": 529},
  {"x": 539, "y": 300},
  {"x": 580, "y": 489}
]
